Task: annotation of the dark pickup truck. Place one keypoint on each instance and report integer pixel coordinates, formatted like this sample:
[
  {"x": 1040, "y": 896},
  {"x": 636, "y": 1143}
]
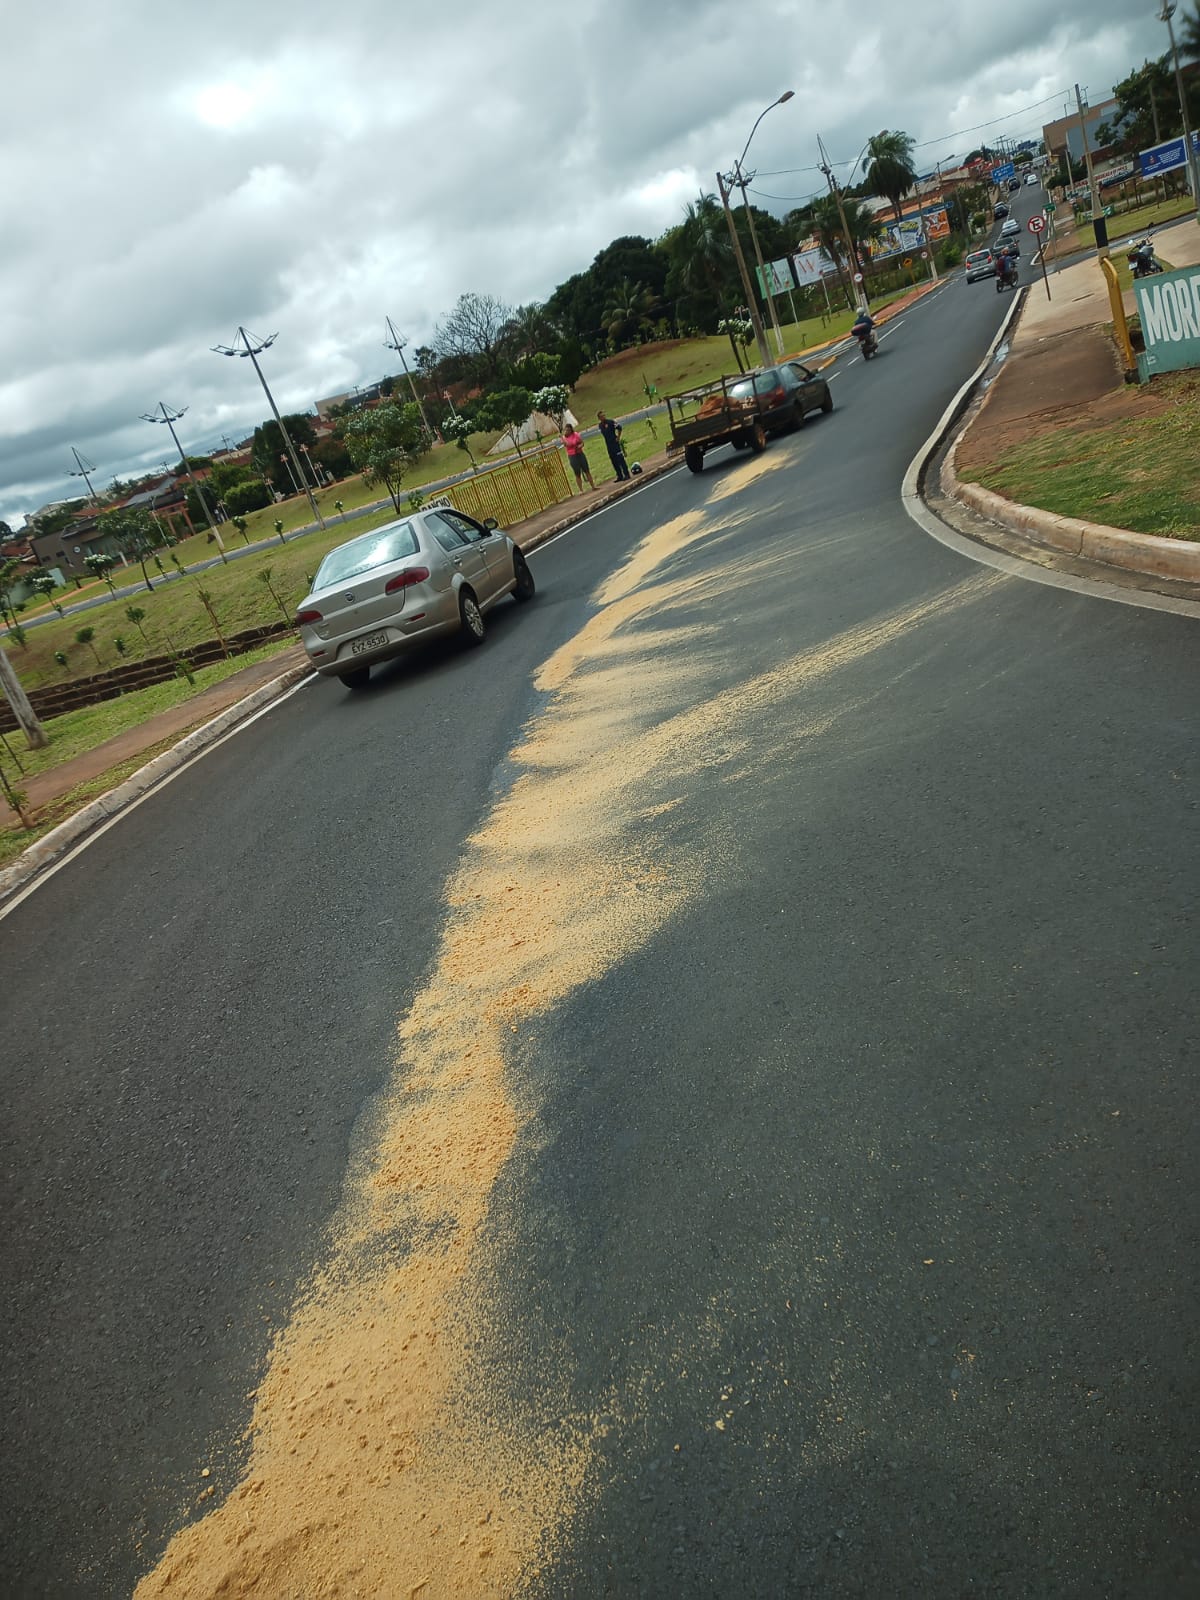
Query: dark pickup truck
[{"x": 703, "y": 418}]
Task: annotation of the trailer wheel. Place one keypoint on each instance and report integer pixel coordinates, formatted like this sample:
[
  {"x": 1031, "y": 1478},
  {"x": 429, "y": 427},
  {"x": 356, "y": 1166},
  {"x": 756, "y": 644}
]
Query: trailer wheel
[
  {"x": 694, "y": 457},
  {"x": 758, "y": 439}
]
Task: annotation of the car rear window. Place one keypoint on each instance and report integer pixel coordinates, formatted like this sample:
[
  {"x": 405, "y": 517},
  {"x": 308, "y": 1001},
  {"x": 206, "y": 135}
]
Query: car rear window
[
  {"x": 979, "y": 255},
  {"x": 764, "y": 382},
  {"x": 377, "y": 549}
]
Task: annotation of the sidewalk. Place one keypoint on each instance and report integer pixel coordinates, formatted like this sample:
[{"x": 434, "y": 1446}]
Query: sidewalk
[{"x": 1062, "y": 369}]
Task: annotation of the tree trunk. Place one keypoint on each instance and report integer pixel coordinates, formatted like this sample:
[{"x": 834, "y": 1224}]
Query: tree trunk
[{"x": 35, "y": 735}]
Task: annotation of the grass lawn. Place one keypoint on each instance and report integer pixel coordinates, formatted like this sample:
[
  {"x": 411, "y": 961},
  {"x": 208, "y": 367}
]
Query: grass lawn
[
  {"x": 1133, "y": 224},
  {"x": 1139, "y": 473},
  {"x": 79, "y": 731}
]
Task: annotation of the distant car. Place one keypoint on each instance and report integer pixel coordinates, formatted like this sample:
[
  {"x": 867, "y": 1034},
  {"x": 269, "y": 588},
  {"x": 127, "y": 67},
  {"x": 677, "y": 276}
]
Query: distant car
[
  {"x": 1031, "y": 177},
  {"x": 980, "y": 264},
  {"x": 786, "y": 394},
  {"x": 1011, "y": 227},
  {"x": 1013, "y": 183},
  {"x": 432, "y": 573},
  {"x": 1001, "y": 211}
]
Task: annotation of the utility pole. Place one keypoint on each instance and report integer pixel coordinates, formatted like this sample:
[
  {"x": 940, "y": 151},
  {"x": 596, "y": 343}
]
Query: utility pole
[
  {"x": 397, "y": 343},
  {"x": 171, "y": 418},
  {"x": 84, "y": 468},
  {"x": 254, "y": 351},
  {"x": 1098, "y": 223},
  {"x": 859, "y": 290},
  {"x": 1189, "y": 152},
  {"x": 740, "y": 179},
  {"x": 760, "y": 338}
]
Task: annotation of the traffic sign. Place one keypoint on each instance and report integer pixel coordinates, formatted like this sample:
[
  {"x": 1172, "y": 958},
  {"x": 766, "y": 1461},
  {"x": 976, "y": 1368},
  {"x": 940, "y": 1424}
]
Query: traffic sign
[
  {"x": 1036, "y": 224},
  {"x": 858, "y": 277},
  {"x": 1049, "y": 206},
  {"x": 1006, "y": 170}
]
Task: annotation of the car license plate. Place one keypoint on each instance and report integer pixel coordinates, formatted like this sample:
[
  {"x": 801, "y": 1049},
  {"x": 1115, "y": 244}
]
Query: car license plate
[{"x": 369, "y": 641}]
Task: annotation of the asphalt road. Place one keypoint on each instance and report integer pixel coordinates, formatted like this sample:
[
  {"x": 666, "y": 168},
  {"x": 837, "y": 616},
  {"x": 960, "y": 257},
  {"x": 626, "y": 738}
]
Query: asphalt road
[{"x": 862, "y": 1197}]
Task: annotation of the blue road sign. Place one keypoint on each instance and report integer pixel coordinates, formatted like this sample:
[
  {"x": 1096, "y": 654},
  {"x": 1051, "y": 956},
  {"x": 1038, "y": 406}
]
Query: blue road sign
[{"x": 1002, "y": 173}]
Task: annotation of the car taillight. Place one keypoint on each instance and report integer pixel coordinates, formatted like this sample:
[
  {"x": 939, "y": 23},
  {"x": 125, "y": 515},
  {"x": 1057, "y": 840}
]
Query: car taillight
[
  {"x": 406, "y": 579},
  {"x": 308, "y": 616}
]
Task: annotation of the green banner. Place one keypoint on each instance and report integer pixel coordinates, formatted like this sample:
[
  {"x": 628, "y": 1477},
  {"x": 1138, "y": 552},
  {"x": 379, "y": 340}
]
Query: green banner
[{"x": 1169, "y": 308}]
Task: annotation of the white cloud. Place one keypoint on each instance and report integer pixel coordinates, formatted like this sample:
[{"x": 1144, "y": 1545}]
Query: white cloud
[{"x": 304, "y": 170}]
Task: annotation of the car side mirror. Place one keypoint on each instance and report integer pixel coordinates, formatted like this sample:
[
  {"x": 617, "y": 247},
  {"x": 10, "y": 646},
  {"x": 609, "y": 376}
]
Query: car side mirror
[{"x": 490, "y": 522}]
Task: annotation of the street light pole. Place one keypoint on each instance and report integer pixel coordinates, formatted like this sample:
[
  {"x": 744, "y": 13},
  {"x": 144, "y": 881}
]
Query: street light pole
[
  {"x": 397, "y": 343},
  {"x": 84, "y": 469},
  {"x": 760, "y": 338},
  {"x": 739, "y": 177},
  {"x": 1165, "y": 15},
  {"x": 254, "y": 351},
  {"x": 171, "y": 418}
]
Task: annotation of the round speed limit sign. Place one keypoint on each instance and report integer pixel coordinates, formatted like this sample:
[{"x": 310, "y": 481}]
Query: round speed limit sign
[{"x": 1036, "y": 224}]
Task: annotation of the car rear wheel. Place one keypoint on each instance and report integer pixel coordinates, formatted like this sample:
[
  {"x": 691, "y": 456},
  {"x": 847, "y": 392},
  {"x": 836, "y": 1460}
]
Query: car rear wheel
[
  {"x": 525, "y": 587},
  {"x": 358, "y": 679},
  {"x": 694, "y": 457},
  {"x": 827, "y": 401},
  {"x": 757, "y": 439},
  {"x": 797, "y": 414},
  {"x": 471, "y": 618}
]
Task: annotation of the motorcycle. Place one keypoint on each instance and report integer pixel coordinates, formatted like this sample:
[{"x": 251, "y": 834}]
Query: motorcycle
[
  {"x": 867, "y": 342},
  {"x": 1141, "y": 258},
  {"x": 1006, "y": 275}
]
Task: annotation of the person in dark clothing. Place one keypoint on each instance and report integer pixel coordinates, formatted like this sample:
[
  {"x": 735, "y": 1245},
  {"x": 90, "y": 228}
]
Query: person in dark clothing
[{"x": 610, "y": 432}]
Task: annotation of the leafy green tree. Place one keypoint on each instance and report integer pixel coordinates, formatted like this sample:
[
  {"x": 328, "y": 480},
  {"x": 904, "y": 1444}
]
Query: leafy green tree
[
  {"x": 10, "y": 577},
  {"x": 827, "y": 225},
  {"x": 100, "y": 564},
  {"x": 505, "y": 410},
  {"x": 552, "y": 402},
  {"x": 42, "y": 583},
  {"x": 86, "y": 636},
  {"x": 252, "y": 495},
  {"x": 136, "y": 534},
  {"x": 137, "y": 616},
  {"x": 383, "y": 442},
  {"x": 268, "y": 446},
  {"x": 1188, "y": 35},
  {"x": 459, "y": 429},
  {"x": 890, "y": 169}
]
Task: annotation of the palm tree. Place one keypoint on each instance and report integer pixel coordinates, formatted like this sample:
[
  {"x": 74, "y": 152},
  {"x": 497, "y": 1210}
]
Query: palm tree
[
  {"x": 1189, "y": 35},
  {"x": 890, "y": 170},
  {"x": 529, "y": 331},
  {"x": 707, "y": 242},
  {"x": 827, "y": 225},
  {"x": 628, "y": 310}
]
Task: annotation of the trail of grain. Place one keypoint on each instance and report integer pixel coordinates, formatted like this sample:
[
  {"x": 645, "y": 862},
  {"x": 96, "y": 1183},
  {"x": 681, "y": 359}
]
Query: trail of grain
[{"x": 380, "y": 1462}]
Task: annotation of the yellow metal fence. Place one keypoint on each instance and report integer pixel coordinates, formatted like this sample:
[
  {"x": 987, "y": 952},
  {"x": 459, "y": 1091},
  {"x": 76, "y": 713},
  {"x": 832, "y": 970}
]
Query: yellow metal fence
[{"x": 515, "y": 490}]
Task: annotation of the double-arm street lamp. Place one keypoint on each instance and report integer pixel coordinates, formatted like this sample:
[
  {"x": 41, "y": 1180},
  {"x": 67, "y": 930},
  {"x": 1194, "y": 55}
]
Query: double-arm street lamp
[
  {"x": 738, "y": 177},
  {"x": 171, "y": 418},
  {"x": 254, "y": 350}
]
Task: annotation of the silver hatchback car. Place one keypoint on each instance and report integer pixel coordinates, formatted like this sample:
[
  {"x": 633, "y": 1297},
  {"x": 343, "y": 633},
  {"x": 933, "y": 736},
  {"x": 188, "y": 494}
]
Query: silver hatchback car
[{"x": 434, "y": 572}]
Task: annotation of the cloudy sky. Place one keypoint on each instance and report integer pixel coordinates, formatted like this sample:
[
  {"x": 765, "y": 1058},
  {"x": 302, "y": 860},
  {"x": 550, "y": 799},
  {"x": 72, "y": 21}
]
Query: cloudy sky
[{"x": 168, "y": 172}]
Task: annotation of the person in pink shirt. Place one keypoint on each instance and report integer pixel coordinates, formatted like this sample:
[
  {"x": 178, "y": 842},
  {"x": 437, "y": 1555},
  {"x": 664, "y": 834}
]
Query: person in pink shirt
[{"x": 573, "y": 441}]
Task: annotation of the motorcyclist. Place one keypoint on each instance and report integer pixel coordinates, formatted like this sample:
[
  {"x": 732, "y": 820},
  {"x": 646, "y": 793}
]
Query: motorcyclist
[
  {"x": 864, "y": 325},
  {"x": 1006, "y": 267}
]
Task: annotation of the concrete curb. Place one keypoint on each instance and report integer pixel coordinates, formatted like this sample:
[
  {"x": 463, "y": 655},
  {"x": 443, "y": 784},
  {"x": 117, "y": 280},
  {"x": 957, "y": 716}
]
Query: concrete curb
[
  {"x": 49, "y": 850},
  {"x": 1115, "y": 547},
  {"x": 1145, "y": 553}
]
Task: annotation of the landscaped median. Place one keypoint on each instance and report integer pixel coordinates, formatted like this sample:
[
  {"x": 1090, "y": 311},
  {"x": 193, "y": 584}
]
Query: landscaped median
[{"x": 1062, "y": 450}]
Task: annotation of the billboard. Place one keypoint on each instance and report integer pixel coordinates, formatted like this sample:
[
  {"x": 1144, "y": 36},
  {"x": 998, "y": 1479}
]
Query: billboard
[
  {"x": 897, "y": 238},
  {"x": 937, "y": 224},
  {"x": 1166, "y": 157},
  {"x": 1169, "y": 307},
  {"x": 778, "y": 275},
  {"x": 810, "y": 266}
]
